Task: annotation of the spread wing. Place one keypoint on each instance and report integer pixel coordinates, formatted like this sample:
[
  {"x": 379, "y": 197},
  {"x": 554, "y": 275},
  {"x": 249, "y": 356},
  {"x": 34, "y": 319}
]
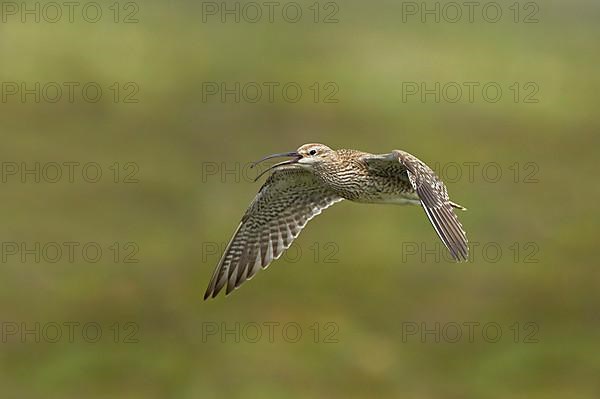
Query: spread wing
[
  {"x": 433, "y": 196},
  {"x": 283, "y": 206}
]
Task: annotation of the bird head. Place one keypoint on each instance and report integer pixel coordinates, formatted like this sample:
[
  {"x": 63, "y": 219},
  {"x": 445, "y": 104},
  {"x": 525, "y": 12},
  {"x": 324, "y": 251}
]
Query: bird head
[
  {"x": 306, "y": 156},
  {"x": 314, "y": 153}
]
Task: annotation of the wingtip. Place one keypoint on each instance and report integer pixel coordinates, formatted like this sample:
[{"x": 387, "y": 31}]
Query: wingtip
[
  {"x": 211, "y": 293},
  {"x": 462, "y": 259},
  {"x": 462, "y": 255}
]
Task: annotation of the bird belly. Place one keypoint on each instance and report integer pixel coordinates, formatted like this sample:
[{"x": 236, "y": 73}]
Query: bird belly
[
  {"x": 387, "y": 188},
  {"x": 393, "y": 199},
  {"x": 372, "y": 186}
]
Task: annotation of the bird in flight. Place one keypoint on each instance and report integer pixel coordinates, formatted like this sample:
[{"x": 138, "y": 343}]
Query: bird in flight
[{"x": 316, "y": 177}]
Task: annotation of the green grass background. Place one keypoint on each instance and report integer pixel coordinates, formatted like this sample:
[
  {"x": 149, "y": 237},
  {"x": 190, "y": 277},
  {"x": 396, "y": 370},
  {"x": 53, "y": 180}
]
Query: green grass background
[{"x": 172, "y": 213}]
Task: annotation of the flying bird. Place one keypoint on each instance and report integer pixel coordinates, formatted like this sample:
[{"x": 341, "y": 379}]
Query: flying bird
[{"x": 316, "y": 177}]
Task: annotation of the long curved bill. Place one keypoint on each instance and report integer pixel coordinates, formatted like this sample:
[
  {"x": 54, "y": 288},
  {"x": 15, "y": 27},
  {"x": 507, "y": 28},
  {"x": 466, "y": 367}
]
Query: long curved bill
[{"x": 295, "y": 158}]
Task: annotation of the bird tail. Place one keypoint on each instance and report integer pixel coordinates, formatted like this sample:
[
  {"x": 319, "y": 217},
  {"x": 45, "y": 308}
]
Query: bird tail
[{"x": 457, "y": 206}]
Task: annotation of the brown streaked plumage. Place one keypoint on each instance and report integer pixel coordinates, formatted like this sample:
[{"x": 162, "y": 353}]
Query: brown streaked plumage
[{"x": 317, "y": 177}]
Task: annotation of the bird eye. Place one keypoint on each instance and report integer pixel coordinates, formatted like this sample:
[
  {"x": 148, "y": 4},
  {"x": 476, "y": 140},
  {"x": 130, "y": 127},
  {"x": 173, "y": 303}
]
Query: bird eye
[{"x": 312, "y": 152}]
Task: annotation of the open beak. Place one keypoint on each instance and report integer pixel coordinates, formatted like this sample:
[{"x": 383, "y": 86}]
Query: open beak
[{"x": 295, "y": 158}]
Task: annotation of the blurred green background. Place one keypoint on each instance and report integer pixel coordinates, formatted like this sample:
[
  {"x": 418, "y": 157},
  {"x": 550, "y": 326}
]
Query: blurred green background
[{"x": 185, "y": 203}]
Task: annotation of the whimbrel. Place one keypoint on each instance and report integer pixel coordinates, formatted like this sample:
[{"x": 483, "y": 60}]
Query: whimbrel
[{"x": 316, "y": 177}]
